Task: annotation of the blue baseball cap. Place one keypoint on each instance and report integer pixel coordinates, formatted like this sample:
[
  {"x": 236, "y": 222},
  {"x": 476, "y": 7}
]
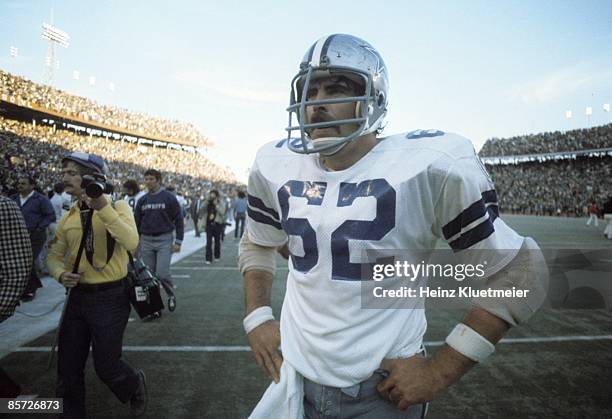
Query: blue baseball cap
[{"x": 88, "y": 160}]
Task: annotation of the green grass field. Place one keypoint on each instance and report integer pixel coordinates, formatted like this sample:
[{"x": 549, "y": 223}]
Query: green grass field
[{"x": 197, "y": 366}]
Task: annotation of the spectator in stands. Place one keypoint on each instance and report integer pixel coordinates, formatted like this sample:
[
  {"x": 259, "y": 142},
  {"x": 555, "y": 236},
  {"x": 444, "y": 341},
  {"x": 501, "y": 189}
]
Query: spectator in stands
[
  {"x": 132, "y": 193},
  {"x": 38, "y": 214},
  {"x": 158, "y": 217},
  {"x": 240, "y": 209},
  {"x": 593, "y": 214},
  {"x": 98, "y": 307},
  {"x": 15, "y": 266},
  {"x": 215, "y": 220}
]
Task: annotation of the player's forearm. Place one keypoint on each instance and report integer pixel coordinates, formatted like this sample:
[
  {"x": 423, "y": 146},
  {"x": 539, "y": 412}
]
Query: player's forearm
[
  {"x": 451, "y": 365},
  {"x": 257, "y": 289}
]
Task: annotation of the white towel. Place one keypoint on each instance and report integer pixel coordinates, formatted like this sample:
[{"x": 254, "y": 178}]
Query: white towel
[{"x": 282, "y": 400}]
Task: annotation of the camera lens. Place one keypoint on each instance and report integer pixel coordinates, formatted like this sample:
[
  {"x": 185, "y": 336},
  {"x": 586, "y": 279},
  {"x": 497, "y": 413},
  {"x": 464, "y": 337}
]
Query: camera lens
[{"x": 94, "y": 189}]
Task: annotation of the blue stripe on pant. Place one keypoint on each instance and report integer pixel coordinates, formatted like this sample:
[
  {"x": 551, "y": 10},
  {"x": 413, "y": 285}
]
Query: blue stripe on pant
[{"x": 97, "y": 319}]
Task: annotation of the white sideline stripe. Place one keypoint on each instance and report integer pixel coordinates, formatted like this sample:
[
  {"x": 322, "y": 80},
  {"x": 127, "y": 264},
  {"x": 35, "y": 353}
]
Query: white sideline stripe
[
  {"x": 540, "y": 339},
  {"x": 20, "y": 329},
  {"x": 155, "y": 349},
  {"x": 543, "y": 339}
]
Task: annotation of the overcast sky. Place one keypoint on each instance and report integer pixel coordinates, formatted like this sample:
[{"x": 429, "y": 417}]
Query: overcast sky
[{"x": 478, "y": 68}]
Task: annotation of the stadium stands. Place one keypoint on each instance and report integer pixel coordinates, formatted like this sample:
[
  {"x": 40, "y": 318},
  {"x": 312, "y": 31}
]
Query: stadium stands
[
  {"x": 553, "y": 187},
  {"x": 16, "y": 89},
  {"x": 38, "y": 150},
  {"x": 549, "y": 142},
  {"x": 551, "y": 173}
]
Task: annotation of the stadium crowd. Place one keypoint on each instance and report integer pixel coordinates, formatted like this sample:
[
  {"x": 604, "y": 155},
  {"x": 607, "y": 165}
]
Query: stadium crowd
[
  {"x": 549, "y": 142},
  {"x": 553, "y": 187},
  {"x": 37, "y": 151},
  {"x": 88, "y": 110}
]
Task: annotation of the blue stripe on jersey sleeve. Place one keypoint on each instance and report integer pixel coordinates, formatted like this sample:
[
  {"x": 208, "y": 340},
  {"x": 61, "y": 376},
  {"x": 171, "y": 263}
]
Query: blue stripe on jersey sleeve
[
  {"x": 473, "y": 236},
  {"x": 264, "y": 219},
  {"x": 468, "y": 216},
  {"x": 475, "y": 211},
  {"x": 259, "y": 204},
  {"x": 490, "y": 197}
]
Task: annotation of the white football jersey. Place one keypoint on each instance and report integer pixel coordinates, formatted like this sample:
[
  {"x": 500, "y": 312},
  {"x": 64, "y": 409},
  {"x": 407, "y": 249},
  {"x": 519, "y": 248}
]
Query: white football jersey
[
  {"x": 409, "y": 191},
  {"x": 133, "y": 200}
]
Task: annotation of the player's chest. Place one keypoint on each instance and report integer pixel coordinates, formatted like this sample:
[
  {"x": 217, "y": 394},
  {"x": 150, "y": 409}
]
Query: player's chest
[{"x": 326, "y": 205}]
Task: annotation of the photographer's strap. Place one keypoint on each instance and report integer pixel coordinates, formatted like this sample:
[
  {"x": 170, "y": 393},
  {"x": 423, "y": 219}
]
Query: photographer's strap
[
  {"x": 131, "y": 260},
  {"x": 86, "y": 216},
  {"x": 87, "y": 213}
]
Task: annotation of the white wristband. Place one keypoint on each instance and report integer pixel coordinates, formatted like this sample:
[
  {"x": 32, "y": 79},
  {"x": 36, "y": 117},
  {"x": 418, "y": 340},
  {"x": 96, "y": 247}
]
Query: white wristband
[
  {"x": 257, "y": 317},
  {"x": 469, "y": 343}
]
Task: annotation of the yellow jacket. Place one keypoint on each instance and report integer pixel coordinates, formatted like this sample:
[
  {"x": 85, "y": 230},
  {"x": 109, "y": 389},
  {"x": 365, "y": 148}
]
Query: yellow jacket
[{"x": 118, "y": 220}]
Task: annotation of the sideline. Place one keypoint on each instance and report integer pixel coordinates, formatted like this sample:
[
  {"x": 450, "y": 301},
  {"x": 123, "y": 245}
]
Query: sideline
[
  {"x": 22, "y": 328},
  {"x": 184, "y": 348}
]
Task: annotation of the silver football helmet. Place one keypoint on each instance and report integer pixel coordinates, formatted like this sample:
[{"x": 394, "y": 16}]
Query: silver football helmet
[{"x": 355, "y": 59}]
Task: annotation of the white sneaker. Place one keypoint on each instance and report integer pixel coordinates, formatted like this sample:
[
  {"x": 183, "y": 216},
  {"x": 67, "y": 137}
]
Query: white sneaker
[{"x": 207, "y": 262}]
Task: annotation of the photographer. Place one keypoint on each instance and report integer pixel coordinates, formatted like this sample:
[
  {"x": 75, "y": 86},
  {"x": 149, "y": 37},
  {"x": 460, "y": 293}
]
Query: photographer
[
  {"x": 15, "y": 264},
  {"x": 98, "y": 307},
  {"x": 215, "y": 222}
]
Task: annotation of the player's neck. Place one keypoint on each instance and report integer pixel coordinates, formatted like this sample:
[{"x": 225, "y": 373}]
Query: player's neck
[{"x": 350, "y": 154}]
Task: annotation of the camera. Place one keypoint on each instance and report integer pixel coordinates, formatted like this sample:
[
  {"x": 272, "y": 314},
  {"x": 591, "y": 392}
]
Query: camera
[{"x": 95, "y": 185}]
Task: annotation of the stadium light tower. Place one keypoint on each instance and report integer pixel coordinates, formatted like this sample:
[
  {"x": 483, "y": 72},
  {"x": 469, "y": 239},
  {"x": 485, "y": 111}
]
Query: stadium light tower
[
  {"x": 55, "y": 36},
  {"x": 588, "y": 112}
]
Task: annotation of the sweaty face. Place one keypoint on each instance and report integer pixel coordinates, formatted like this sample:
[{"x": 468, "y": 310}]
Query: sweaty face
[{"x": 331, "y": 88}]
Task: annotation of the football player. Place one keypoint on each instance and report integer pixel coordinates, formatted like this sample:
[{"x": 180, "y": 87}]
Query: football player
[{"x": 336, "y": 190}]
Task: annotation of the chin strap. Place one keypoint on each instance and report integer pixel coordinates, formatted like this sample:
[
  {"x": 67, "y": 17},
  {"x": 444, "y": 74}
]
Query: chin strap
[{"x": 329, "y": 140}]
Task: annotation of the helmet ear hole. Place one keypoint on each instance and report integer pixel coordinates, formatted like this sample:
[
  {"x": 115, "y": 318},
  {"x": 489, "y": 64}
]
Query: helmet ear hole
[{"x": 381, "y": 99}]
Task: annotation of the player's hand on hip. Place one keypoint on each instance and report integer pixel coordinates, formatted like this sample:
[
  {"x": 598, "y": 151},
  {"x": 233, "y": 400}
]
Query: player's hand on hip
[
  {"x": 265, "y": 341},
  {"x": 411, "y": 381}
]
